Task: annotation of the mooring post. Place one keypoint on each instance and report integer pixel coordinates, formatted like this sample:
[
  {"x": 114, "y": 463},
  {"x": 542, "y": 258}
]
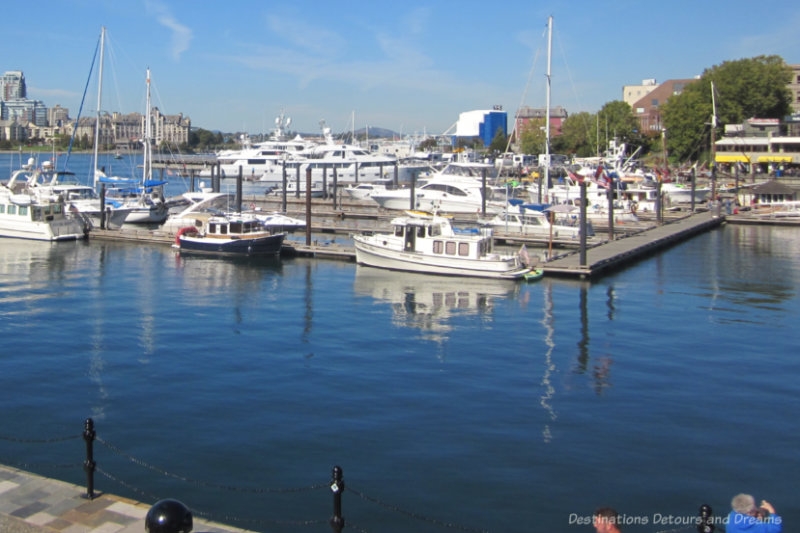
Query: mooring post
[
  {"x": 706, "y": 523},
  {"x": 283, "y": 191},
  {"x": 610, "y": 195},
  {"x": 337, "y": 486},
  {"x": 308, "y": 205},
  {"x": 89, "y": 465},
  {"x": 335, "y": 187},
  {"x": 483, "y": 191},
  {"x": 297, "y": 182},
  {"x": 103, "y": 208},
  {"x": 238, "y": 198},
  {"x": 582, "y": 222}
]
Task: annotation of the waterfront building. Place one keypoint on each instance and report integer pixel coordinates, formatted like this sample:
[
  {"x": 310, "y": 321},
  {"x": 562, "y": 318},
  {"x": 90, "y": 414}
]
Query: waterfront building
[
  {"x": 482, "y": 124},
  {"x": 633, "y": 93},
  {"x": 757, "y": 145},
  {"x": 647, "y": 109},
  {"x": 57, "y": 116},
  {"x": 794, "y": 88},
  {"x": 526, "y": 114}
]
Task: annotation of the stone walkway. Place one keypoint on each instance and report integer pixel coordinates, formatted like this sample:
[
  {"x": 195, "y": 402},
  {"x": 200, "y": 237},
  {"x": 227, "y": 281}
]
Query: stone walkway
[{"x": 33, "y": 504}]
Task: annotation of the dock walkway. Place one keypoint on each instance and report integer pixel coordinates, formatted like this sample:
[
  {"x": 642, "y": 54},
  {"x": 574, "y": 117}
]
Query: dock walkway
[
  {"x": 615, "y": 253},
  {"x": 30, "y": 503}
]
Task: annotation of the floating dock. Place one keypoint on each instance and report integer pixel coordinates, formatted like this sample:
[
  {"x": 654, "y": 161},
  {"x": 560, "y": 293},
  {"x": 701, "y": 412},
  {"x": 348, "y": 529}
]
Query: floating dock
[
  {"x": 613, "y": 254},
  {"x": 600, "y": 256}
]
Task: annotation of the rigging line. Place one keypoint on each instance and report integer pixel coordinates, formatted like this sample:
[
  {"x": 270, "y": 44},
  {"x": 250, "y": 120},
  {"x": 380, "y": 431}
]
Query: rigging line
[
  {"x": 572, "y": 83},
  {"x": 527, "y": 86},
  {"x": 83, "y": 99}
]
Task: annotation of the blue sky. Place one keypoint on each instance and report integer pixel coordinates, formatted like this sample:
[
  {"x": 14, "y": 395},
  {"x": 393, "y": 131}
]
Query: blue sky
[{"x": 409, "y": 66}]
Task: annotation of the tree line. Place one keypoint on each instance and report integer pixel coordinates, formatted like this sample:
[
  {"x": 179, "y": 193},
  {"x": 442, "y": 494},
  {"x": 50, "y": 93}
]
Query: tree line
[{"x": 746, "y": 88}]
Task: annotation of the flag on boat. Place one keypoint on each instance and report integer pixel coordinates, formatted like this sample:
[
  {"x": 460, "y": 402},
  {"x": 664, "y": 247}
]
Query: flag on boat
[{"x": 601, "y": 177}]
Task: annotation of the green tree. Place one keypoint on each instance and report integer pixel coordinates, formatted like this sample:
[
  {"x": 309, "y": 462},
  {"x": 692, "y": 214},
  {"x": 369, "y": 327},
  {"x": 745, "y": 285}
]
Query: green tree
[
  {"x": 533, "y": 137},
  {"x": 578, "y": 136},
  {"x": 428, "y": 145},
  {"x": 745, "y": 88},
  {"x": 499, "y": 142},
  {"x": 617, "y": 121}
]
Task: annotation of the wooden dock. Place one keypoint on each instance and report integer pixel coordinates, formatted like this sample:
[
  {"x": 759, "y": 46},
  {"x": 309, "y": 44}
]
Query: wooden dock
[{"x": 608, "y": 255}]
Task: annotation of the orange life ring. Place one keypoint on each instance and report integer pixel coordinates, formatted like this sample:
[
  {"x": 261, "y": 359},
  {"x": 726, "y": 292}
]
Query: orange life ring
[{"x": 182, "y": 231}]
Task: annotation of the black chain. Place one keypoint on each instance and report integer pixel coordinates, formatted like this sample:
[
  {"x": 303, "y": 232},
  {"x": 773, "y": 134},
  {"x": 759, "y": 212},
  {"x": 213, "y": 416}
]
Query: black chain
[
  {"x": 206, "y": 483},
  {"x": 39, "y": 441}
]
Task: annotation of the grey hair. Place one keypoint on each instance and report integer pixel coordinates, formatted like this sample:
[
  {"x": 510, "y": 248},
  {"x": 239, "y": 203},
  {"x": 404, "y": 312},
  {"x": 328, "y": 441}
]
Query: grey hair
[{"x": 743, "y": 503}]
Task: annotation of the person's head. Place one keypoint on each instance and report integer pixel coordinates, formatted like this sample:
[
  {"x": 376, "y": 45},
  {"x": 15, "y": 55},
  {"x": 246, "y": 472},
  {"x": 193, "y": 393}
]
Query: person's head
[
  {"x": 744, "y": 504},
  {"x": 605, "y": 520}
]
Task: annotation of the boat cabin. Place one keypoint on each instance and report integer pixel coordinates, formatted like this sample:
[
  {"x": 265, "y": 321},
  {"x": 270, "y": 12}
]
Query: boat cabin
[
  {"x": 224, "y": 227},
  {"x": 436, "y": 237}
]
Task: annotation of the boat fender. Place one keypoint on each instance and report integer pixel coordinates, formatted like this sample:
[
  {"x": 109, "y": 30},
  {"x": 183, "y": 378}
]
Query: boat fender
[
  {"x": 182, "y": 231},
  {"x": 253, "y": 206}
]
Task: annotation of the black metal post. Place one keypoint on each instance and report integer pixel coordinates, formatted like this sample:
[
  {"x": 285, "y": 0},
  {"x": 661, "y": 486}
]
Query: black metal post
[
  {"x": 706, "y": 522},
  {"x": 337, "y": 486},
  {"x": 396, "y": 173},
  {"x": 412, "y": 193},
  {"x": 325, "y": 180},
  {"x": 89, "y": 465},
  {"x": 297, "y": 181},
  {"x": 694, "y": 185}
]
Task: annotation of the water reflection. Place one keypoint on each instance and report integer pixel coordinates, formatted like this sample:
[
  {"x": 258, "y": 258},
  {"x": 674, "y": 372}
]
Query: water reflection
[
  {"x": 429, "y": 302},
  {"x": 548, "y": 391}
]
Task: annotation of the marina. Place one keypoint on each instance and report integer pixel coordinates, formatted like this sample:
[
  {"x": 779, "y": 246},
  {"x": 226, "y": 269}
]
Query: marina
[{"x": 433, "y": 393}]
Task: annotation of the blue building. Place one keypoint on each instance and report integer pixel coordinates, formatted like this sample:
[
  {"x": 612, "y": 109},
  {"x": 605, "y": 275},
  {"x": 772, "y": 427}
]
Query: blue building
[{"x": 482, "y": 123}]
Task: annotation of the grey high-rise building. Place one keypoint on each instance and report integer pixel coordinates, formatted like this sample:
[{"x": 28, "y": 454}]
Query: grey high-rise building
[{"x": 12, "y": 86}]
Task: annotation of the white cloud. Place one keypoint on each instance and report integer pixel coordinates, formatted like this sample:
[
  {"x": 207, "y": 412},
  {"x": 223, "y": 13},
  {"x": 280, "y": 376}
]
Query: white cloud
[{"x": 181, "y": 35}]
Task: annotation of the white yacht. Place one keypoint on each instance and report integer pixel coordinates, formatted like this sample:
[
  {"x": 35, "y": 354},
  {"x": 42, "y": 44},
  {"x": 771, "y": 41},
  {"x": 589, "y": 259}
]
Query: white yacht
[
  {"x": 81, "y": 201},
  {"x": 351, "y": 164},
  {"x": 458, "y": 188},
  {"x": 428, "y": 243},
  {"x": 262, "y": 158},
  {"x": 524, "y": 220},
  {"x": 26, "y": 215}
]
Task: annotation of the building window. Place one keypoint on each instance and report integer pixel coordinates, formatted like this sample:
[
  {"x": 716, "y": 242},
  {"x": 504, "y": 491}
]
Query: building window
[{"x": 654, "y": 102}]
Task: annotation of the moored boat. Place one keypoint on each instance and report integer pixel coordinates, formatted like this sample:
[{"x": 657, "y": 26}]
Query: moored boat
[
  {"x": 428, "y": 243},
  {"x": 228, "y": 234}
]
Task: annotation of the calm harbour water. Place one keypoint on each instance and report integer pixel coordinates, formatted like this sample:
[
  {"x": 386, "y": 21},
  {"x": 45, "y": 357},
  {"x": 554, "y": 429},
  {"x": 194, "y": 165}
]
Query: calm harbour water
[{"x": 476, "y": 405}]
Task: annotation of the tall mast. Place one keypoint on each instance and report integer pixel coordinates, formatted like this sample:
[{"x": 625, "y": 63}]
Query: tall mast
[
  {"x": 547, "y": 104},
  {"x": 147, "y": 137},
  {"x": 713, "y": 144},
  {"x": 99, "y": 99}
]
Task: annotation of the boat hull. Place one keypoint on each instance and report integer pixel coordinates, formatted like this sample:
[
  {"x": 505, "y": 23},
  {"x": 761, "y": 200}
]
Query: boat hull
[
  {"x": 373, "y": 255},
  {"x": 246, "y": 247}
]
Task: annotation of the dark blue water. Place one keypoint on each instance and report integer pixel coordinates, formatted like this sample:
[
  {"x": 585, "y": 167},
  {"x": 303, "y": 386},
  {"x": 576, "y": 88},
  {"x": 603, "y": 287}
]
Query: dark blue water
[{"x": 460, "y": 405}]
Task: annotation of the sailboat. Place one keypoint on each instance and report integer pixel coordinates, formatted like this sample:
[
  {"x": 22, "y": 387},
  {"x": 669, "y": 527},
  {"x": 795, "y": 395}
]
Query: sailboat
[{"x": 145, "y": 199}]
